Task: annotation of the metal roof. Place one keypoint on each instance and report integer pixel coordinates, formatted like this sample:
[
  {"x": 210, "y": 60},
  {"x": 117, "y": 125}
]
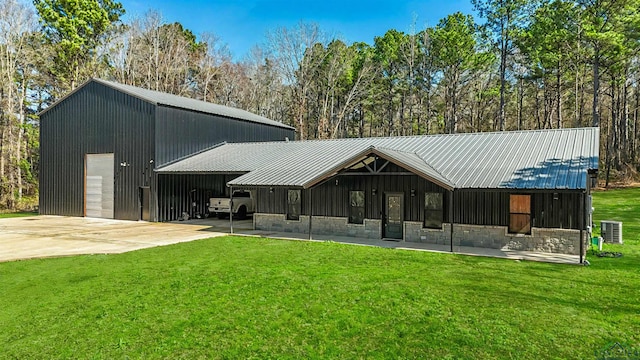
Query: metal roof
[
  {"x": 534, "y": 159},
  {"x": 415, "y": 164},
  {"x": 160, "y": 98}
]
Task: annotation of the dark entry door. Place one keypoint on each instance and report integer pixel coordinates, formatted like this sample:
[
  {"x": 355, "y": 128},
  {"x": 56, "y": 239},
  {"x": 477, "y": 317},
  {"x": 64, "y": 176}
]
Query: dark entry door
[
  {"x": 145, "y": 200},
  {"x": 394, "y": 209}
]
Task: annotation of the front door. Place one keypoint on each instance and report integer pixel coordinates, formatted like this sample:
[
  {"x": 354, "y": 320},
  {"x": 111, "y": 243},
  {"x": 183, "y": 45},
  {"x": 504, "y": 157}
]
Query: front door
[{"x": 394, "y": 213}]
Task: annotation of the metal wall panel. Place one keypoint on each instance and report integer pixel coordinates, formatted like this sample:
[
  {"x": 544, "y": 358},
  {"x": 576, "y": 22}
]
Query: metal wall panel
[
  {"x": 180, "y": 132},
  {"x": 95, "y": 119}
]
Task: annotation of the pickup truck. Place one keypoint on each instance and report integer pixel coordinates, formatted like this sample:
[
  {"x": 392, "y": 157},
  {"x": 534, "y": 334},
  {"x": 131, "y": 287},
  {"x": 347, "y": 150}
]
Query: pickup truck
[{"x": 243, "y": 204}]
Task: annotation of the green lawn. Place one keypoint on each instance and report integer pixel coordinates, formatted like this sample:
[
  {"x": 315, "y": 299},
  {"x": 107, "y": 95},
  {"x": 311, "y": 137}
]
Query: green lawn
[
  {"x": 4, "y": 215},
  {"x": 238, "y": 297}
]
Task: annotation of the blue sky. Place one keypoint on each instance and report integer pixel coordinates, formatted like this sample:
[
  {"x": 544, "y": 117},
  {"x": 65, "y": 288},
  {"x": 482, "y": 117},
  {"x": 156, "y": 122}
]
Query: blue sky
[{"x": 243, "y": 24}]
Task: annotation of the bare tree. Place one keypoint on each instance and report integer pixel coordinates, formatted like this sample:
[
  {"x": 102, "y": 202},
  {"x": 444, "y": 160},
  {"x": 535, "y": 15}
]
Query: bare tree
[
  {"x": 288, "y": 47},
  {"x": 17, "y": 24},
  {"x": 209, "y": 68}
]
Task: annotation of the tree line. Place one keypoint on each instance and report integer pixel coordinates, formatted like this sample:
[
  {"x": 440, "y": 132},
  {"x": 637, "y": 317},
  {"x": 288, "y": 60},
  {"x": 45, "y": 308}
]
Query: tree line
[{"x": 522, "y": 64}]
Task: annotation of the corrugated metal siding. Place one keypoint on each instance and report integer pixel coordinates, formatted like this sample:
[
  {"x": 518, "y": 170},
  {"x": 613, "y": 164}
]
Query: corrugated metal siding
[
  {"x": 174, "y": 197},
  {"x": 180, "y": 132},
  {"x": 95, "y": 119}
]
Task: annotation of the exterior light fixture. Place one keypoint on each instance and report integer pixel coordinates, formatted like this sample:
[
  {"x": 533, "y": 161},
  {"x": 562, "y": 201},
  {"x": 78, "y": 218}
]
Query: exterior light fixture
[
  {"x": 413, "y": 192},
  {"x": 374, "y": 191}
]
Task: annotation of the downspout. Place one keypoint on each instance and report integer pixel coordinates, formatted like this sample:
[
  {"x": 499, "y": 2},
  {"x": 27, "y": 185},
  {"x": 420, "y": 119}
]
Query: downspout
[
  {"x": 231, "y": 209},
  {"x": 310, "y": 210},
  {"x": 451, "y": 218}
]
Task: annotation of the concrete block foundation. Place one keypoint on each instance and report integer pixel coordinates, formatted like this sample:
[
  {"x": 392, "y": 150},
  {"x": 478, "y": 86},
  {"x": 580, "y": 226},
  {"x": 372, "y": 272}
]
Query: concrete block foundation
[
  {"x": 559, "y": 241},
  {"x": 321, "y": 225}
]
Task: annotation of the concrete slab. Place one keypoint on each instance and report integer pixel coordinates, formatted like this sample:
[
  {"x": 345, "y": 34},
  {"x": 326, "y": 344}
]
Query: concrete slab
[{"x": 51, "y": 236}]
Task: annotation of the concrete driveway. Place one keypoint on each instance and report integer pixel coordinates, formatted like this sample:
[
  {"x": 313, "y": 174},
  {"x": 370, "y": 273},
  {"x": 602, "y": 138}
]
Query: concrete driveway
[{"x": 51, "y": 236}]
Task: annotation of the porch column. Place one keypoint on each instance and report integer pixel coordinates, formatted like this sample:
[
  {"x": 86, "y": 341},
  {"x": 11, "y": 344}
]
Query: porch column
[
  {"x": 310, "y": 211},
  {"x": 583, "y": 216},
  {"x": 231, "y": 208},
  {"x": 451, "y": 218}
]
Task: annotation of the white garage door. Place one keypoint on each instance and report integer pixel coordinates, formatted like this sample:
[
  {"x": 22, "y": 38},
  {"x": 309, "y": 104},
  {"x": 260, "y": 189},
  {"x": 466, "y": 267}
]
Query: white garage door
[{"x": 99, "y": 186}]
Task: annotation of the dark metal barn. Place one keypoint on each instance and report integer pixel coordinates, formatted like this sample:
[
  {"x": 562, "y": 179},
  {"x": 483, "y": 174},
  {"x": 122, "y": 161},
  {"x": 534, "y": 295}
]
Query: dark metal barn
[{"x": 101, "y": 144}]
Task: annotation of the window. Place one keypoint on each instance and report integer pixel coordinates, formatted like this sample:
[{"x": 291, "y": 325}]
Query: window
[
  {"x": 293, "y": 204},
  {"x": 433, "y": 214},
  {"x": 356, "y": 207},
  {"x": 520, "y": 214}
]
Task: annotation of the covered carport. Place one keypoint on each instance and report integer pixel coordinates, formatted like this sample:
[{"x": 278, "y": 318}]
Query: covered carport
[
  {"x": 208, "y": 173},
  {"x": 183, "y": 195}
]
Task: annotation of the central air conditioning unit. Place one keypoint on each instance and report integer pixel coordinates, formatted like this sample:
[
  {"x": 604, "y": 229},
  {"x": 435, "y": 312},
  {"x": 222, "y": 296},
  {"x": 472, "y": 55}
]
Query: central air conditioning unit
[{"x": 611, "y": 231}]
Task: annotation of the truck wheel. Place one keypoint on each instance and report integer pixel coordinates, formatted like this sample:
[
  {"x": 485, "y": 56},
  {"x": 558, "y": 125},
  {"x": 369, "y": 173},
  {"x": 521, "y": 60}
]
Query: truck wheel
[{"x": 242, "y": 213}]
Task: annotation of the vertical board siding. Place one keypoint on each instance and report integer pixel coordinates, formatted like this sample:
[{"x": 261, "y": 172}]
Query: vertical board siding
[{"x": 95, "y": 120}]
